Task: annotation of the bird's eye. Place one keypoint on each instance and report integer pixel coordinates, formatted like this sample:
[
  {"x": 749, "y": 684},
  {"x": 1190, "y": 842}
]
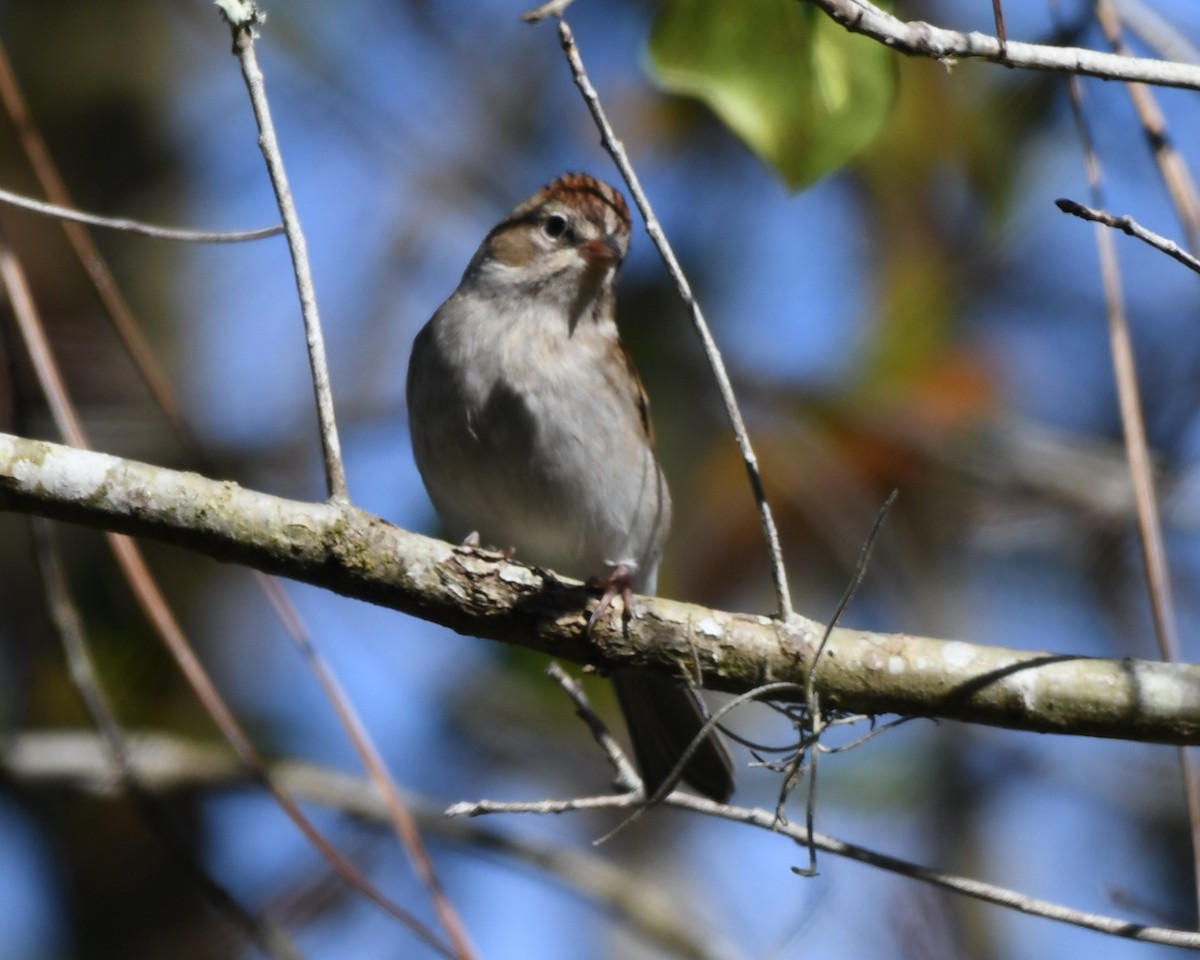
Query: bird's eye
[{"x": 555, "y": 226}]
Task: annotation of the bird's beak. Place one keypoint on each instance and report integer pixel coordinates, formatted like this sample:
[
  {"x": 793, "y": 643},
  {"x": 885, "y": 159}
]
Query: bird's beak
[{"x": 603, "y": 253}]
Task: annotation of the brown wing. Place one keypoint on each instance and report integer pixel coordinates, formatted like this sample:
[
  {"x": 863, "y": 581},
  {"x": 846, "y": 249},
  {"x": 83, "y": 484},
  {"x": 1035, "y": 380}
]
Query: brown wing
[{"x": 641, "y": 402}]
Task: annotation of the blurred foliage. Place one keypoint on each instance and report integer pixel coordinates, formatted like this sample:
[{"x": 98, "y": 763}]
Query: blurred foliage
[
  {"x": 804, "y": 94},
  {"x": 930, "y": 191}
]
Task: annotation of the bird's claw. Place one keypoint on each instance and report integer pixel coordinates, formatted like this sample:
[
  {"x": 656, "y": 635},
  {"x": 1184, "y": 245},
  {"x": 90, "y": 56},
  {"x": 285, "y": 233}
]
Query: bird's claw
[{"x": 619, "y": 582}]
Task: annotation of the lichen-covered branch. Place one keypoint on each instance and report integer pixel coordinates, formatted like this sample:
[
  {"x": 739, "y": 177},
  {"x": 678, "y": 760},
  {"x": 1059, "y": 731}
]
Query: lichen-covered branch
[{"x": 481, "y": 594}]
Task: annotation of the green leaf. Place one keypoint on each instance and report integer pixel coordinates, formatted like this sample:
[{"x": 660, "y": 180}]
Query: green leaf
[{"x": 802, "y": 92}]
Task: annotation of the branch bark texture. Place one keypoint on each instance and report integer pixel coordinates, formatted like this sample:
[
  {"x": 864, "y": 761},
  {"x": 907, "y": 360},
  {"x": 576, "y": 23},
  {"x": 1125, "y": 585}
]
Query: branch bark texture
[{"x": 479, "y": 593}]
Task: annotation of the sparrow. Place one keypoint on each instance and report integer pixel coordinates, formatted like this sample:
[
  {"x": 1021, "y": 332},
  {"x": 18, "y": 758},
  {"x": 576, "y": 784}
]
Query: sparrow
[{"x": 531, "y": 430}]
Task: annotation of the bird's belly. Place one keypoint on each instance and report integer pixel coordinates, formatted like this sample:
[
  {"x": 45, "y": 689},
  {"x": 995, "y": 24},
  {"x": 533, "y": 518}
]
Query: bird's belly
[{"x": 561, "y": 497}]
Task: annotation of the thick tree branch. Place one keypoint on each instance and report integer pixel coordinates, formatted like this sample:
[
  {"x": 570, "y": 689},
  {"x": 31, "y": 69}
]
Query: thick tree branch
[{"x": 478, "y": 593}]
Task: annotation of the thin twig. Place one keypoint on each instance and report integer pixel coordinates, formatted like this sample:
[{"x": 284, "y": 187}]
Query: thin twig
[
  {"x": 243, "y": 20},
  {"x": 813, "y": 712},
  {"x": 402, "y": 820},
  {"x": 64, "y": 616},
  {"x": 1131, "y": 227},
  {"x": 977, "y": 889},
  {"x": 1154, "y": 554},
  {"x": 1157, "y": 32},
  {"x": 1173, "y": 168},
  {"x": 617, "y": 150},
  {"x": 1001, "y": 29},
  {"x": 860, "y": 573},
  {"x": 136, "y": 226},
  {"x": 622, "y": 765},
  {"x": 243, "y": 45},
  {"x": 157, "y": 611},
  {"x": 86, "y": 252},
  {"x": 627, "y": 778},
  {"x": 1129, "y": 399},
  {"x": 920, "y": 39},
  {"x": 766, "y": 820},
  {"x": 555, "y": 8},
  {"x": 171, "y": 763},
  {"x": 607, "y": 801}
]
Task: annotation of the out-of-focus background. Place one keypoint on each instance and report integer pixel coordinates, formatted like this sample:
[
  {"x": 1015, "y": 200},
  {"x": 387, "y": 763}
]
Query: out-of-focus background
[{"x": 921, "y": 319}]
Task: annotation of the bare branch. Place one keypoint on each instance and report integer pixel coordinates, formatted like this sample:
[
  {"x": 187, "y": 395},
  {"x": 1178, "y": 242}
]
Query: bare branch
[
  {"x": 1131, "y": 227},
  {"x": 481, "y": 594},
  {"x": 1171, "y": 164},
  {"x": 627, "y": 778},
  {"x": 767, "y": 820},
  {"x": 919, "y": 39},
  {"x": 978, "y": 889},
  {"x": 168, "y": 763},
  {"x": 243, "y": 20},
  {"x": 136, "y": 226}
]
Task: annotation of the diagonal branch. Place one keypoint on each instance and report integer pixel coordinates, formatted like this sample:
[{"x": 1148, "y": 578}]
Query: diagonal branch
[
  {"x": 359, "y": 555},
  {"x": 1131, "y": 227},
  {"x": 616, "y": 150}
]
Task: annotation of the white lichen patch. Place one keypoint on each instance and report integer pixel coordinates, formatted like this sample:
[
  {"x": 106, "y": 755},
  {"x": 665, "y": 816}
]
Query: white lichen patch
[
  {"x": 1159, "y": 691},
  {"x": 896, "y": 665},
  {"x": 710, "y": 627},
  {"x": 474, "y": 564},
  {"x": 415, "y": 570},
  {"x": 958, "y": 654},
  {"x": 521, "y": 576},
  {"x": 70, "y": 475}
]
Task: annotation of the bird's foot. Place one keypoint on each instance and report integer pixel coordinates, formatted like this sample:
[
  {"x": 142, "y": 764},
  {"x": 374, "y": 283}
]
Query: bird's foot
[{"x": 619, "y": 582}]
